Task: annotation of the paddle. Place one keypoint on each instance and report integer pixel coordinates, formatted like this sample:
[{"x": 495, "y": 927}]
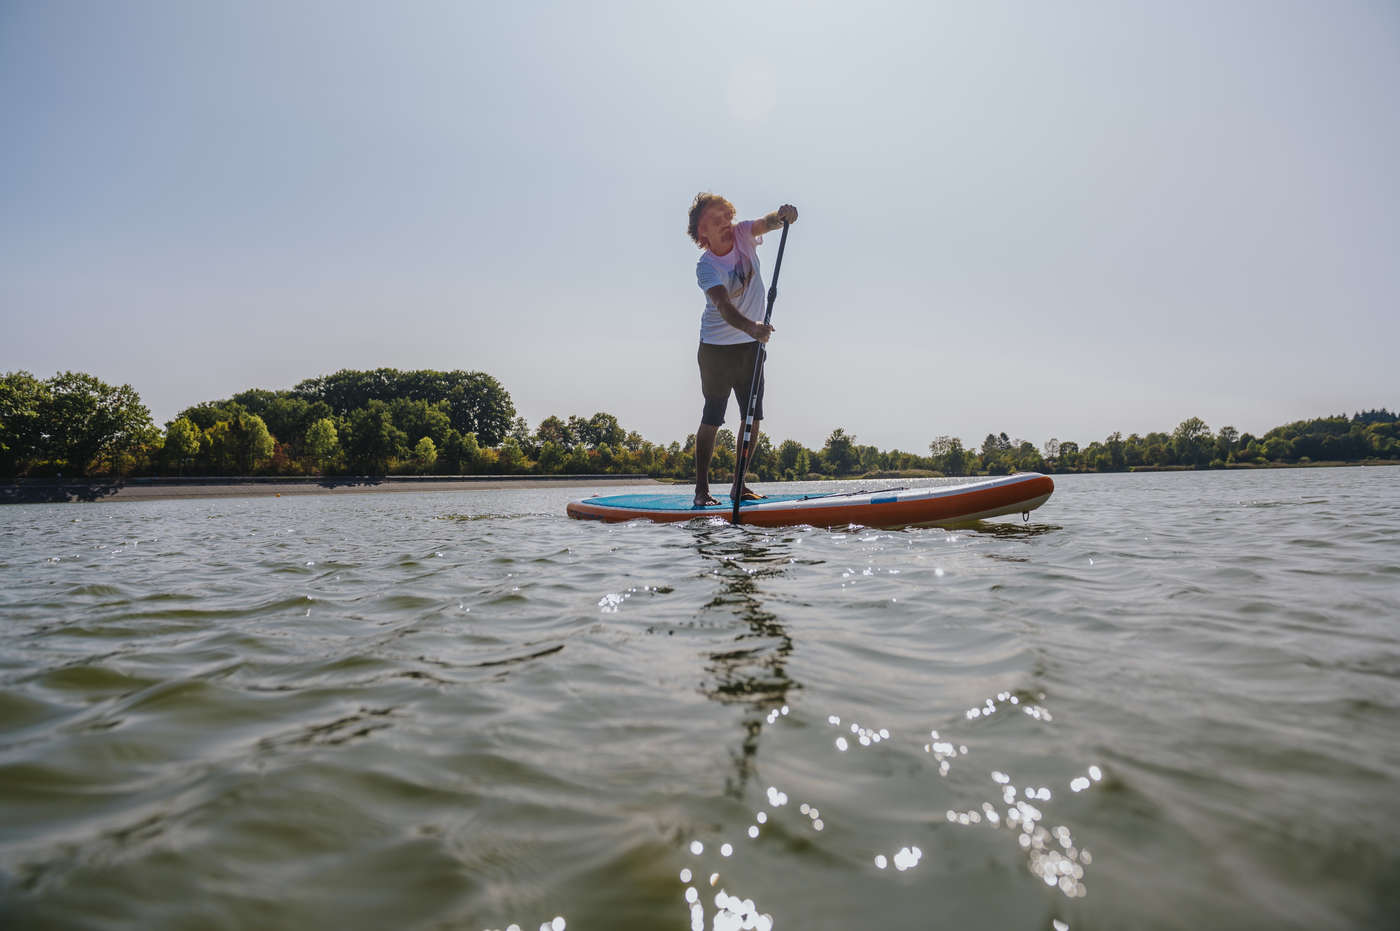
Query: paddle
[{"x": 746, "y": 447}]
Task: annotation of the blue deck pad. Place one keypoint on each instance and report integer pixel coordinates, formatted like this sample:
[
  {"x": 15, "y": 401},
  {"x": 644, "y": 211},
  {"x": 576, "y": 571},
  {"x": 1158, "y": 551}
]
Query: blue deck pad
[{"x": 686, "y": 502}]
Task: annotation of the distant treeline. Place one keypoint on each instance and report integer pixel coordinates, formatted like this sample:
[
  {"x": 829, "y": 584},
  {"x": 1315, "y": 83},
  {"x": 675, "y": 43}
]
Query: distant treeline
[{"x": 462, "y": 423}]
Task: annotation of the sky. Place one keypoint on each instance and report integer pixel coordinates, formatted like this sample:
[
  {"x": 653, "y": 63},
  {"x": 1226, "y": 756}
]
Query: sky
[{"x": 1048, "y": 219}]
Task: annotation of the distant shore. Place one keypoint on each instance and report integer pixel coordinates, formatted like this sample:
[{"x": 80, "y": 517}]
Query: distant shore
[{"x": 160, "y": 489}]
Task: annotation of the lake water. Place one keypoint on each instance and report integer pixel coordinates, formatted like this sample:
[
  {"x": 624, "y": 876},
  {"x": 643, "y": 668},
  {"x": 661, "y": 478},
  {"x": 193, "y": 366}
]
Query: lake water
[{"x": 1167, "y": 701}]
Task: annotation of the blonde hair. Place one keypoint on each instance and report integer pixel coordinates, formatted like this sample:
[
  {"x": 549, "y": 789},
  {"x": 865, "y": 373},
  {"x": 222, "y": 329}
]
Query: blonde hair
[{"x": 703, "y": 201}]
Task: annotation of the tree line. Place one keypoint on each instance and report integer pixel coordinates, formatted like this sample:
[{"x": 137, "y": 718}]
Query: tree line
[{"x": 386, "y": 421}]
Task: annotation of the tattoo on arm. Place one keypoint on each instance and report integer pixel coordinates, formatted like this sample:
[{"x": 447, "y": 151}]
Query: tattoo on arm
[{"x": 773, "y": 221}]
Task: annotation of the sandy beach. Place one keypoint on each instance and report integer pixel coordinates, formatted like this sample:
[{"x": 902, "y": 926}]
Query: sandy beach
[{"x": 156, "y": 489}]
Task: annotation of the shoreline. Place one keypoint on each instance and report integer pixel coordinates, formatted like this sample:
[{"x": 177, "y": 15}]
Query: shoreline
[{"x": 167, "y": 489}]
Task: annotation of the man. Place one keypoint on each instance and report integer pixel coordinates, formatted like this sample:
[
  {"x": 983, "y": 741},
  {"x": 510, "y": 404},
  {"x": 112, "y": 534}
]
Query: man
[{"x": 731, "y": 327}]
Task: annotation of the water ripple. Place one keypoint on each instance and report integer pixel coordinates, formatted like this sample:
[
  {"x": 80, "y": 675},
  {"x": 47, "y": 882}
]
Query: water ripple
[{"x": 1168, "y": 703}]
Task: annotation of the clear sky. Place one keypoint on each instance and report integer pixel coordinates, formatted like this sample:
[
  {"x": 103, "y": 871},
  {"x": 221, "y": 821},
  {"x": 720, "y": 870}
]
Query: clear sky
[{"x": 1049, "y": 219}]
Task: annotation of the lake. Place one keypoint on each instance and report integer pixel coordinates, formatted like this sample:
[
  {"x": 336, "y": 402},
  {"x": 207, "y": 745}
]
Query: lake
[{"x": 1166, "y": 701}]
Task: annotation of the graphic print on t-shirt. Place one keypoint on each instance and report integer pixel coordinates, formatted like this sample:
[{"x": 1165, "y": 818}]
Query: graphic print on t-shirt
[{"x": 740, "y": 277}]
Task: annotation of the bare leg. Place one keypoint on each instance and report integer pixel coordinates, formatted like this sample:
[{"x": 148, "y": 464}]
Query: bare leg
[
  {"x": 738, "y": 487},
  {"x": 704, "y": 452}
]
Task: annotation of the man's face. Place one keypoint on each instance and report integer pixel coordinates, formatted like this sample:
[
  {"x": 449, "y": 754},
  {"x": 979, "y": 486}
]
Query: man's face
[{"x": 716, "y": 227}]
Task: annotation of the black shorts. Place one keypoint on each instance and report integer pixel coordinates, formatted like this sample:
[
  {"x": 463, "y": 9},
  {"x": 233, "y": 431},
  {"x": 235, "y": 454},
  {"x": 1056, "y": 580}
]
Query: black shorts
[{"x": 724, "y": 369}]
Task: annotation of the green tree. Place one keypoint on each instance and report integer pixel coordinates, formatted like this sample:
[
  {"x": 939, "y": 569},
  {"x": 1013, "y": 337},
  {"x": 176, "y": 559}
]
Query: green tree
[
  {"x": 794, "y": 461},
  {"x": 1069, "y": 456},
  {"x": 22, "y": 401},
  {"x": 476, "y": 402},
  {"x": 1193, "y": 442},
  {"x": 208, "y": 413},
  {"x": 1116, "y": 457},
  {"x": 1277, "y": 449},
  {"x": 839, "y": 453},
  {"x": 181, "y": 441},
  {"x": 551, "y": 458},
  {"x": 84, "y": 419},
  {"x": 723, "y": 461},
  {"x": 250, "y": 442},
  {"x": 1027, "y": 458},
  {"x": 463, "y": 453},
  {"x": 322, "y": 442},
  {"x": 554, "y": 430},
  {"x": 607, "y": 459},
  {"x": 599, "y": 429},
  {"x": 523, "y": 436},
  {"x": 578, "y": 462},
  {"x": 425, "y": 454},
  {"x": 1225, "y": 442},
  {"x": 510, "y": 458},
  {"x": 374, "y": 440},
  {"x": 949, "y": 457}
]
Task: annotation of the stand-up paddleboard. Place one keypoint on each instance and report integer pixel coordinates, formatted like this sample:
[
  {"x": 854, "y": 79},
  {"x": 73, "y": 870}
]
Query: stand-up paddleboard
[{"x": 928, "y": 506}]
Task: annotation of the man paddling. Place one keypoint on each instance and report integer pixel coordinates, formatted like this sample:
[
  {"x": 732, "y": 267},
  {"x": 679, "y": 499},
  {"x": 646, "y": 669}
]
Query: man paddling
[{"x": 731, "y": 327}]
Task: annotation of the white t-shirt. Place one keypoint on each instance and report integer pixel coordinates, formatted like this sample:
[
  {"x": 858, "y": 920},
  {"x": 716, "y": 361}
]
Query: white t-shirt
[{"x": 738, "y": 271}]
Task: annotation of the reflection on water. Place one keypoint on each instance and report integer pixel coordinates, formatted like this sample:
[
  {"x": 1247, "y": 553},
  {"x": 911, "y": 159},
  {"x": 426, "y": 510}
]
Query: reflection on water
[
  {"x": 1012, "y": 531},
  {"x": 754, "y": 672}
]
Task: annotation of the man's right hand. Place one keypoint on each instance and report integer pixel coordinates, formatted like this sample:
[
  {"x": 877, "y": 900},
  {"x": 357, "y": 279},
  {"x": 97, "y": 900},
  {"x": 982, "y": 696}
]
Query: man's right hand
[{"x": 761, "y": 331}]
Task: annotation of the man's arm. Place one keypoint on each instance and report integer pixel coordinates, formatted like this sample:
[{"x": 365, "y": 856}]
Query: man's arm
[
  {"x": 719, "y": 295},
  {"x": 774, "y": 220}
]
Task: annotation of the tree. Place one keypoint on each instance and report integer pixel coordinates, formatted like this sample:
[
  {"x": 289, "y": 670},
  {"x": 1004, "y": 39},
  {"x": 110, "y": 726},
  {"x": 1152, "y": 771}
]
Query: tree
[
  {"x": 1225, "y": 441},
  {"x": 420, "y": 418},
  {"x": 993, "y": 446},
  {"x": 463, "y": 453},
  {"x": 510, "y": 458},
  {"x": 1192, "y": 441},
  {"x": 22, "y": 400},
  {"x": 723, "y": 461},
  {"x": 551, "y": 458},
  {"x": 839, "y": 453},
  {"x": 948, "y": 455},
  {"x": 554, "y": 430},
  {"x": 595, "y": 431},
  {"x": 250, "y": 442},
  {"x": 763, "y": 460},
  {"x": 289, "y": 418},
  {"x": 425, "y": 454},
  {"x": 208, "y": 413},
  {"x": 578, "y": 462},
  {"x": 794, "y": 461},
  {"x": 607, "y": 459},
  {"x": 1069, "y": 456},
  {"x": 520, "y": 432},
  {"x": 476, "y": 402},
  {"x": 181, "y": 441},
  {"x": 374, "y": 440},
  {"x": 322, "y": 442},
  {"x": 1276, "y": 449},
  {"x": 1027, "y": 458},
  {"x": 84, "y": 418},
  {"x": 1116, "y": 460}
]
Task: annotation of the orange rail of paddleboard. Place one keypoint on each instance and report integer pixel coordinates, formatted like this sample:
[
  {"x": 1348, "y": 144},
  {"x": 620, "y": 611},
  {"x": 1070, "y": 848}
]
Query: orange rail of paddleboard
[{"x": 999, "y": 499}]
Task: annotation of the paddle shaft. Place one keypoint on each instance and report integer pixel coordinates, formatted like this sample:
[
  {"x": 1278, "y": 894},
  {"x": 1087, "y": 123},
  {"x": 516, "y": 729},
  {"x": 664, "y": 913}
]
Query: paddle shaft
[{"x": 756, "y": 386}]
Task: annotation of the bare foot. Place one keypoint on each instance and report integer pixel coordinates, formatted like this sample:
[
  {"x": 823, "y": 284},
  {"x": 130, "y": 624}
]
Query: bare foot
[{"x": 704, "y": 500}]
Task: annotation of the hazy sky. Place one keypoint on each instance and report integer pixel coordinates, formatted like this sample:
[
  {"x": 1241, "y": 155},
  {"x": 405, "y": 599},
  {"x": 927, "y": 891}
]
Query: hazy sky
[{"x": 1052, "y": 219}]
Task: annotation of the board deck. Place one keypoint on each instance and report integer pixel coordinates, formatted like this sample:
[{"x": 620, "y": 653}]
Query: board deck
[{"x": 924, "y": 506}]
